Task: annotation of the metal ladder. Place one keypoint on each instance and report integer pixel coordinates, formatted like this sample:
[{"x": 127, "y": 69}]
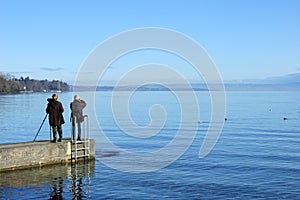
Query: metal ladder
[{"x": 80, "y": 148}]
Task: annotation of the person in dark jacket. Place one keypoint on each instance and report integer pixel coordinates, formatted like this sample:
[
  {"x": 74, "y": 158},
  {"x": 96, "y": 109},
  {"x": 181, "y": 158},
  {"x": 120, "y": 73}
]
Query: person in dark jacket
[
  {"x": 77, "y": 115},
  {"x": 56, "y": 119}
]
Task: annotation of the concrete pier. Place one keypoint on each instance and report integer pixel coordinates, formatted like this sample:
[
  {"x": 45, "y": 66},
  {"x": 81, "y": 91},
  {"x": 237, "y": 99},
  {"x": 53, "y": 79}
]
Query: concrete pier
[{"x": 39, "y": 153}]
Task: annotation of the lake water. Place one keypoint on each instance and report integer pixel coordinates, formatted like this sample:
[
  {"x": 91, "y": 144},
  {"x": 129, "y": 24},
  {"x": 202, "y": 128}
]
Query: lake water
[{"x": 256, "y": 157}]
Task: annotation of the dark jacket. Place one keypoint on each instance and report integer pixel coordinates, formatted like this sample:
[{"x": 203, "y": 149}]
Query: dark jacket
[
  {"x": 77, "y": 106},
  {"x": 55, "y": 110}
]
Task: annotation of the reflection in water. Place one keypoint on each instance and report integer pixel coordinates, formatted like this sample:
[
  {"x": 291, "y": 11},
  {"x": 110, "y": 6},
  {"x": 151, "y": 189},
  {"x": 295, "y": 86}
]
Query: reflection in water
[
  {"x": 49, "y": 182},
  {"x": 80, "y": 181},
  {"x": 57, "y": 189}
]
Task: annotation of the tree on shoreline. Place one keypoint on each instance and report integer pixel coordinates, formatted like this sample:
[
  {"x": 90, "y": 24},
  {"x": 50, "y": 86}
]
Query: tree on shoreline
[{"x": 10, "y": 85}]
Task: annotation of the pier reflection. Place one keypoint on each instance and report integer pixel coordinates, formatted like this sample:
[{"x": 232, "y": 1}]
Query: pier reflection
[
  {"x": 49, "y": 182},
  {"x": 57, "y": 189}
]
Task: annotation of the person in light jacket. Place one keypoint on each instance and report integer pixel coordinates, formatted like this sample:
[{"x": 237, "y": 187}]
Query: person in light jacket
[{"x": 77, "y": 115}]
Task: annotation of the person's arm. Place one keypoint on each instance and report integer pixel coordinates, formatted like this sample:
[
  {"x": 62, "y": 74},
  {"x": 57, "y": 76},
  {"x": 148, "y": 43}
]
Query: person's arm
[
  {"x": 83, "y": 104},
  {"x": 47, "y": 109},
  {"x": 61, "y": 109}
]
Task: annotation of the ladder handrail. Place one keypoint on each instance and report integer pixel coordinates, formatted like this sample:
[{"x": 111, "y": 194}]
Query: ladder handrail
[{"x": 85, "y": 139}]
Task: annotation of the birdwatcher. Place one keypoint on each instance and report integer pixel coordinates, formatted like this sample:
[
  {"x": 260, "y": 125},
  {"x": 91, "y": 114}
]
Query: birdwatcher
[
  {"x": 77, "y": 117},
  {"x": 56, "y": 119}
]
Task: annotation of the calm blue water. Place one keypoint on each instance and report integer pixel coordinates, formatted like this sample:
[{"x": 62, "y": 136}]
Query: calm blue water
[{"x": 256, "y": 157}]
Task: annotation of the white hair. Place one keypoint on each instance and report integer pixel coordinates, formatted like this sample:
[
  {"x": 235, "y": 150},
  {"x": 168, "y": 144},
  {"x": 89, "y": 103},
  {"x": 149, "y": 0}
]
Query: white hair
[{"x": 77, "y": 97}]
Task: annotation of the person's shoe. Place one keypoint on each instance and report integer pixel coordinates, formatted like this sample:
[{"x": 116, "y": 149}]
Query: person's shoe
[
  {"x": 59, "y": 140},
  {"x": 78, "y": 138},
  {"x": 53, "y": 141}
]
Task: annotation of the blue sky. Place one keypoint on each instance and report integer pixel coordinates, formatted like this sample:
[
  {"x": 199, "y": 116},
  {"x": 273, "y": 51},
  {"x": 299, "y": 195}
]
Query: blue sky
[{"x": 249, "y": 39}]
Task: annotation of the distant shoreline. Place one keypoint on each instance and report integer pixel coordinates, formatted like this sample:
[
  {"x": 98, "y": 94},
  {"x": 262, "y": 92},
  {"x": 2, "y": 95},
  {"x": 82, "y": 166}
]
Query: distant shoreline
[
  {"x": 227, "y": 87},
  {"x": 194, "y": 87},
  {"x": 9, "y": 85}
]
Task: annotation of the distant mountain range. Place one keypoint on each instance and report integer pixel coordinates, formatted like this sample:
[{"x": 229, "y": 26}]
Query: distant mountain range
[
  {"x": 287, "y": 79},
  {"x": 286, "y": 82},
  {"x": 281, "y": 83}
]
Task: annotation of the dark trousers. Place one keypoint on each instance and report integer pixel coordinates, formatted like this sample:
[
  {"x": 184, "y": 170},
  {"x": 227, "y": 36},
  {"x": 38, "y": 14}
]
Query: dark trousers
[
  {"x": 57, "y": 129},
  {"x": 78, "y": 130}
]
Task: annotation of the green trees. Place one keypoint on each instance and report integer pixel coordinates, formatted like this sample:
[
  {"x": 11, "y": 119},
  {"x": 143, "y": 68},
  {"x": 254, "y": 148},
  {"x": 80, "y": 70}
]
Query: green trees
[{"x": 9, "y": 85}]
